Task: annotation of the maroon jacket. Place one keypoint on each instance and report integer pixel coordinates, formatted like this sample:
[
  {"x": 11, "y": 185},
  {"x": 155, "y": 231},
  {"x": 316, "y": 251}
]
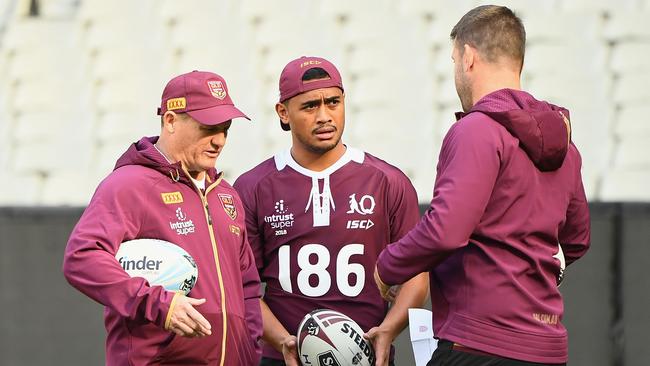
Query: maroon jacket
[
  {"x": 146, "y": 197},
  {"x": 508, "y": 210}
]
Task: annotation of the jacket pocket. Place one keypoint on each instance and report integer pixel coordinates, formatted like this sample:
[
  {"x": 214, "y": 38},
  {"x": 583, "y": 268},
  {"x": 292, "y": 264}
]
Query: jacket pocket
[
  {"x": 193, "y": 351},
  {"x": 241, "y": 349}
]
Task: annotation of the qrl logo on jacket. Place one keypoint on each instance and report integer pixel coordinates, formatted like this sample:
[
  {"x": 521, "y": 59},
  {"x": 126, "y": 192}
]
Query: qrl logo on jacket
[{"x": 228, "y": 204}]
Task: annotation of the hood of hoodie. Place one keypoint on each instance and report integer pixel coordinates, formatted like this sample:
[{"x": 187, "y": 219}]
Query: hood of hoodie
[
  {"x": 543, "y": 129},
  {"x": 144, "y": 153}
]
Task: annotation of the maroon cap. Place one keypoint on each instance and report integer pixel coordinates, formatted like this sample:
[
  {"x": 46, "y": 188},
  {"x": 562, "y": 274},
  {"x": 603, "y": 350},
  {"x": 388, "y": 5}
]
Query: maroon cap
[
  {"x": 203, "y": 95},
  {"x": 291, "y": 83}
]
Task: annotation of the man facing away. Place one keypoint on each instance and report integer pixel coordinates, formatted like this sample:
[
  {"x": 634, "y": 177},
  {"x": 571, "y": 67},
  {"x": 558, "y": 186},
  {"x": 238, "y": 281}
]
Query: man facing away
[
  {"x": 319, "y": 213},
  {"x": 158, "y": 183},
  {"x": 508, "y": 210}
]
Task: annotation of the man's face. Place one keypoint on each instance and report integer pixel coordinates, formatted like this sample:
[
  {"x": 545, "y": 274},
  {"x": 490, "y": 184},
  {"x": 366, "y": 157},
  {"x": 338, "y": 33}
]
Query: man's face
[
  {"x": 317, "y": 119},
  {"x": 197, "y": 146},
  {"x": 461, "y": 80}
]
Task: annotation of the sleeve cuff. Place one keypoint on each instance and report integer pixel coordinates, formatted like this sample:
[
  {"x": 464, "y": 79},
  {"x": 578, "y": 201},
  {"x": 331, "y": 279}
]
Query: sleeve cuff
[
  {"x": 383, "y": 273},
  {"x": 168, "y": 319}
]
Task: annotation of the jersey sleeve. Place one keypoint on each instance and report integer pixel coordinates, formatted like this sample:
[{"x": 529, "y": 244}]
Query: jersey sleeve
[
  {"x": 468, "y": 167},
  {"x": 404, "y": 212},
  {"x": 246, "y": 190},
  {"x": 89, "y": 262},
  {"x": 252, "y": 292}
]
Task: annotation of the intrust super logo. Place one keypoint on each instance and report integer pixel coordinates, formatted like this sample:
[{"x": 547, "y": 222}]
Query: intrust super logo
[
  {"x": 281, "y": 220},
  {"x": 183, "y": 226}
]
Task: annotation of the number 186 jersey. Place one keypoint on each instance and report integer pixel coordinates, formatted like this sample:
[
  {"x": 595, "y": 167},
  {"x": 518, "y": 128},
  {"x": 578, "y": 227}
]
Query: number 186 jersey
[{"x": 316, "y": 235}]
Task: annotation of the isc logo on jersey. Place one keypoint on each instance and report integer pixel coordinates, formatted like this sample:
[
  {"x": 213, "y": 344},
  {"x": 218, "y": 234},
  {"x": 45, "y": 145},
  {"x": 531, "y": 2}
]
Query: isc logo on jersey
[
  {"x": 364, "y": 206},
  {"x": 281, "y": 219}
]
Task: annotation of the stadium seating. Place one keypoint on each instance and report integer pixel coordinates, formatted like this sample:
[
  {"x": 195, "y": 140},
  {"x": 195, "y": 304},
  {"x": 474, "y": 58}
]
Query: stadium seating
[
  {"x": 90, "y": 67},
  {"x": 632, "y": 120},
  {"x": 631, "y": 152},
  {"x": 544, "y": 58},
  {"x": 626, "y": 25},
  {"x": 21, "y": 190},
  {"x": 626, "y": 185},
  {"x": 563, "y": 27},
  {"x": 627, "y": 57},
  {"x": 632, "y": 88},
  {"x": 604, "y": 6},
  {"x": 68, "y": 189}
]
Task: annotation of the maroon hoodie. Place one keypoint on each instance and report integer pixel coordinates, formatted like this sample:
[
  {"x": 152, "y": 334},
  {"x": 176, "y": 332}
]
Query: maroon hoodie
[
  {"x": 508, "y": 211},
  {"x": 146, "y": 197}
]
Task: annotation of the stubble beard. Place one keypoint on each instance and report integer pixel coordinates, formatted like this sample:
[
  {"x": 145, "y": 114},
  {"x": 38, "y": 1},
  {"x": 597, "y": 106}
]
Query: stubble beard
[
  {"x": 319, "y": 149},
  {"x": 323, "y": 148},
  {"x": 464, "y": 92}
]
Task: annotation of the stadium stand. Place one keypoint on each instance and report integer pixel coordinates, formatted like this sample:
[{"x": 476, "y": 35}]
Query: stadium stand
[
  {"x": 81, "y": 79},
  {"x": 90, "y": 67}
]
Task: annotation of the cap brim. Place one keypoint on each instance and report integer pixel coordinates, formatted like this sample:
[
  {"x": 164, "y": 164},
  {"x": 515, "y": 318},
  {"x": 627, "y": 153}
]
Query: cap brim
[{"x": 217, "y": 114}]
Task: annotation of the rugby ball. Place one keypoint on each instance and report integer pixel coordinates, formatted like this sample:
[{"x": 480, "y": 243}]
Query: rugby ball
[
  {"x": 330, "y": 338},
  {"x": 160, "y": 262}
]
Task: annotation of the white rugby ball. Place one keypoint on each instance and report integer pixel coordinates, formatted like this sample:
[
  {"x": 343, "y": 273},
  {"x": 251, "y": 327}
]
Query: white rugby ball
[
  {"x": 328, "y": 337},
  {"x": 159, "y": 262}
]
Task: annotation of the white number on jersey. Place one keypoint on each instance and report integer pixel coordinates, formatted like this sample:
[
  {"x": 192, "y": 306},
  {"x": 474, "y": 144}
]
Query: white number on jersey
[{"x": 319, "y": 269}]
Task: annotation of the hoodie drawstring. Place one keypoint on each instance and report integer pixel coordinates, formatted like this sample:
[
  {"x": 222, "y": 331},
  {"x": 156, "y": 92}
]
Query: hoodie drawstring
[{"x": 177, "y": 177}]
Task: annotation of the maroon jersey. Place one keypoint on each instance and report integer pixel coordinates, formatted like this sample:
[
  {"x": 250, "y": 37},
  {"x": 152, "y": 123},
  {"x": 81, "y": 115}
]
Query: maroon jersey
[{"x": 316, "y": 235}]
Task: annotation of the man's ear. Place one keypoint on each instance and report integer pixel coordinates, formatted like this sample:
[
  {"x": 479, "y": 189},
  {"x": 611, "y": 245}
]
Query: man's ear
[
  {"x": 282, "y": 112},
  {"x": 469, "y": 57},
  {"x": 169, "y": 120}
]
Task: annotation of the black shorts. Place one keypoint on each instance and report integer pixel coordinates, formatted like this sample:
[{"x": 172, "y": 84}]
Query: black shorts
[
  {"x": 449, "y": 355},
  {"x": 271, "y": 362}
]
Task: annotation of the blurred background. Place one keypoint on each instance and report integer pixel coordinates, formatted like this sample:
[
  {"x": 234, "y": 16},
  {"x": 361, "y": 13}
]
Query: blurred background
[{"x": 81, "y": 79}]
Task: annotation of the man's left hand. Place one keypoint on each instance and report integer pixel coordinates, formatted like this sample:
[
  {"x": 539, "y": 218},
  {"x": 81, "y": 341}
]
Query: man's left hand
[
  {"x": 290, "y": 351},
  {"x": 381, "y": 340}
]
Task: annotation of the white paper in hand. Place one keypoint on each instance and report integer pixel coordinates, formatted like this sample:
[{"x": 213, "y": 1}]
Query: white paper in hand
[{"x": 421, "y": 332}]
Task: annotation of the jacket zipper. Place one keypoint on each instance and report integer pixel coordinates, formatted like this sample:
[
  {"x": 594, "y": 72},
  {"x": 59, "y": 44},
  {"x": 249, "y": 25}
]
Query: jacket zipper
[
  {"x": 215, "y": 251},
  {"x": 207, "y": 211}
]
